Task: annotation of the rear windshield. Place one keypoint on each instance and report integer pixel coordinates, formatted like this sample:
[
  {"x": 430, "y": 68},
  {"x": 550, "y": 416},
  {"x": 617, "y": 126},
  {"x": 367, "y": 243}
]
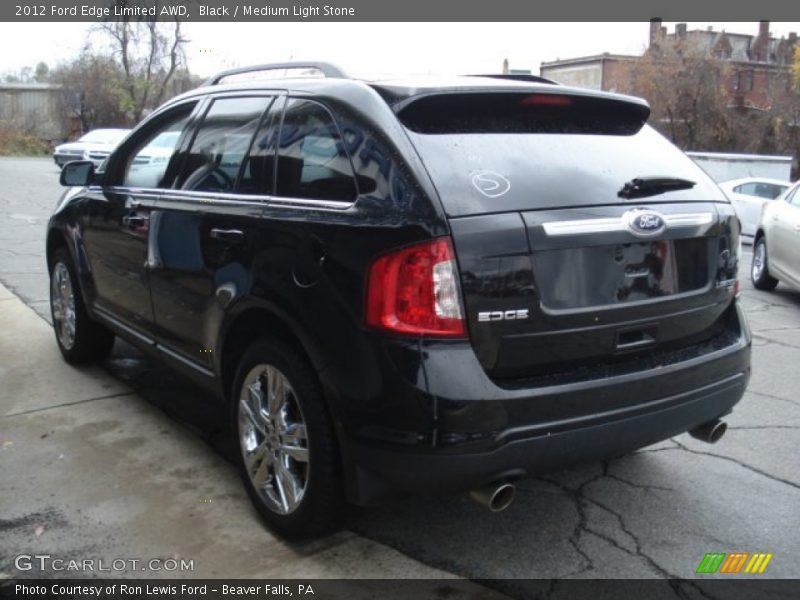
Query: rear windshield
[
  {"x": 479, "y": 172},
  {"x": 523, "y": 113}
]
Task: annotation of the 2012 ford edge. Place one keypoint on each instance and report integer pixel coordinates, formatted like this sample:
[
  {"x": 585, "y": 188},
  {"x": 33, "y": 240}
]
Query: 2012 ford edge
[{"x": 409, "y": 286}]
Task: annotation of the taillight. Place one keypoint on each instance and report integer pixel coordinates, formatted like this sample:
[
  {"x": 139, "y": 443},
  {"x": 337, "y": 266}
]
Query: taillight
[{"x": 414, "y": 291}]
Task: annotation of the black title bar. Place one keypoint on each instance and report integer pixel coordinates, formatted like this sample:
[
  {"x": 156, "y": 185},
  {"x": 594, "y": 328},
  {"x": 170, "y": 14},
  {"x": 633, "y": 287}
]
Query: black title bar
[{"x": 395, "y": 10}]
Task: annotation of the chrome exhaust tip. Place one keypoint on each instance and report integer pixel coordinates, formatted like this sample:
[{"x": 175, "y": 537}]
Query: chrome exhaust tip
[
  {"x": 496, "y": 497},
  {"x": 710, "y": 432}
]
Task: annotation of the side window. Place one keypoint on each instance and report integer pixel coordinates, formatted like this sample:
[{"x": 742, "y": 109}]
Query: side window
[
  {"x": 312, "y": 161},
  {"x": 765, "y": 190},
  {"x": 258, "y": 172},
  {"x": 772, "y": 191},
  {"x": 147, "y": 163},
  {"x": 221, "y": 143},
  {"x": 747, "y": 188}
]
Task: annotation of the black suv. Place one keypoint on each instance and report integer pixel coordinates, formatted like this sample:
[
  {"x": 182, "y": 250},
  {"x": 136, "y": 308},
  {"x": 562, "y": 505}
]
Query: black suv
[{"x": 409, "y": 286}]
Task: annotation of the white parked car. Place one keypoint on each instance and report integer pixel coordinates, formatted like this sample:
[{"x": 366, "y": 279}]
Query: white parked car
[
  {"x": 94, "y": 146},
  {"x": 148, "y": 164},
  {"x": 748, "y": 195},
  {"x": 776, "y": 249}
]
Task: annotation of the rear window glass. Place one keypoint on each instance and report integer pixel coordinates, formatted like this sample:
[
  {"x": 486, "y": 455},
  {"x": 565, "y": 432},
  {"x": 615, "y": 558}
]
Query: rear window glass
[
  {"x": 477, "y": 173},
  {"x": 522, "y": 113}
]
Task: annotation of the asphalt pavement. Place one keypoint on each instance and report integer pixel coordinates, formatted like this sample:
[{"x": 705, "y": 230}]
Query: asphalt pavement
[{"x": 654, "y": 513}]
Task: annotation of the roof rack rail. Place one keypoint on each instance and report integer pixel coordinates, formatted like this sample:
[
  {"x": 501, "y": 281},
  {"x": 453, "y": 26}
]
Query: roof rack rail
[
  {"x": 520, "y": 77},
  {"x": 326, "y": 68}
]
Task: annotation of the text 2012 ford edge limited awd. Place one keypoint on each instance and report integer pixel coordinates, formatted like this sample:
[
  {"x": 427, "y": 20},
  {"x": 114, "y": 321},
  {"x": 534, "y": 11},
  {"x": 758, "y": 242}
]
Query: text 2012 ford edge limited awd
[{"x": 409, "y": 286}]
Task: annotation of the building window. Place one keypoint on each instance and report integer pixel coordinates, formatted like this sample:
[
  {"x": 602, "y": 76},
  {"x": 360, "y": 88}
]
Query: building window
[{"x": 743, "y": 81}]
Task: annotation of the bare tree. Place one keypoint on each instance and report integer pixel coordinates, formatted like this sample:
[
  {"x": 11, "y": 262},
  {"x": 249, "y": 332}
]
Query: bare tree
[
  {"x": 42, "y": 72},
  {"x": 151, "y": 53},
  {"x": 91, "y": 91},
  {"x": 796, "y": 70},
  {"x": 787, "y": 114},
  {"x": 688, "y": 99}
]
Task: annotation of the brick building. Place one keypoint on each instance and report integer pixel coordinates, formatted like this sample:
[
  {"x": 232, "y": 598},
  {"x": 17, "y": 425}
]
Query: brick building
[{"x": 759, "y": 65}]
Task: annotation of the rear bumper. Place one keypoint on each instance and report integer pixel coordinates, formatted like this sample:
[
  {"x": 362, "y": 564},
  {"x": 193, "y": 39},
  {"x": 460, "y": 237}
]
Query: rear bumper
[
  {"x": 484, "y": 436},
  {"x": 383, "y": 470}
]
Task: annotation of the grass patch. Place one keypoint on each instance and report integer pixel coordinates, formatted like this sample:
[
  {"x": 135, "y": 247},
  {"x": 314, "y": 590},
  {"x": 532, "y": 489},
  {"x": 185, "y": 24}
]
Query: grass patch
[{"x": 15, "y": 143}]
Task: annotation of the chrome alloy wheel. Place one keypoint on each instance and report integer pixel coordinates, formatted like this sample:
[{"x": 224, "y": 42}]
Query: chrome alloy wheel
[
  {"x": 759, "y": 259},
  {"x": 62, "y": 300},
  {"x": 273, "y": 439}
]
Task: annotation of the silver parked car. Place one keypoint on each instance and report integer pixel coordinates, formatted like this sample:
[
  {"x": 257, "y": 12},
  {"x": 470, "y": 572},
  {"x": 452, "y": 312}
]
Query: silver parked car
[
  {"x": 748, "y": 195},
  {"x": 776, "y": 249},
  {"x": 94, "y": 146}
]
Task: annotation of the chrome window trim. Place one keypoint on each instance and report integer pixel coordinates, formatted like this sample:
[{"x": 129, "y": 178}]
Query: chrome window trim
[
  {"x": 152, "y": 193},
  {"x": 604, "y": 225},
  {"x": 231, "y": 199},
  {"x": 339, "y": 205}
]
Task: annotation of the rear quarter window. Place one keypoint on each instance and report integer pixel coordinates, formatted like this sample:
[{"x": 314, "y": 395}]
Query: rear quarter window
[{"x": 312, "y": 161}]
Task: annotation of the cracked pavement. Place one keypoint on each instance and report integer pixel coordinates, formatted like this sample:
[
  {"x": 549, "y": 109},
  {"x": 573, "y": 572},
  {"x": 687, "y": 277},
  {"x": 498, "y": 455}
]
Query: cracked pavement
[{"x": 654, "y": 513}]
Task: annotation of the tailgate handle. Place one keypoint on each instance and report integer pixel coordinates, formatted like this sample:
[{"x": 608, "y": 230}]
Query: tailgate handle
[{"x": 636, "y": 338}]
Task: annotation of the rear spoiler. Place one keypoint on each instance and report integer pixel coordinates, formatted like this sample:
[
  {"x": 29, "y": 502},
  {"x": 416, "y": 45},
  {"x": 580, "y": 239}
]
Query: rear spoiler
[
  {"x": 520, "y": 77},
  {"x": 514, "y": 110}
]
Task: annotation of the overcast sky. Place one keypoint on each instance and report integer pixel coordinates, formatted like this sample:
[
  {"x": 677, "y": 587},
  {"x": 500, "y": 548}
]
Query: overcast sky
[{"x": 365, "y": 49}]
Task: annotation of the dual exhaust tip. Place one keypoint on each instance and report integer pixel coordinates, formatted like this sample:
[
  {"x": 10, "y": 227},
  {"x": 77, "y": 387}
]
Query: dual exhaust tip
[
  {"x": 498, "y": 496},
  {"x": 710, "y": 432}
]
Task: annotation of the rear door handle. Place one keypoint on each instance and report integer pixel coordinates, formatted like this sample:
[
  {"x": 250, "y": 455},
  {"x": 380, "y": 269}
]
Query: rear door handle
[
  {"x": 134, "y": 220},
  {"x": 227, "y": 235}
]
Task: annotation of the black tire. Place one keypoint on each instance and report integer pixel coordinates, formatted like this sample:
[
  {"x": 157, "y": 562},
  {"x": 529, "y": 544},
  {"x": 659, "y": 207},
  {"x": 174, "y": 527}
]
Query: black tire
[
  {"x": 759, "y": 270},
  {"x": 321, "y": 508},
  {"x": 91, "y": 341}
]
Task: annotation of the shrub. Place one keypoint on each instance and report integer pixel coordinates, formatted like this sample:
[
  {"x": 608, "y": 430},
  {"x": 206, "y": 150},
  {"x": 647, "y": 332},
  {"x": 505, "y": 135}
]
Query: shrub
[{"x": 16, "y": 143}]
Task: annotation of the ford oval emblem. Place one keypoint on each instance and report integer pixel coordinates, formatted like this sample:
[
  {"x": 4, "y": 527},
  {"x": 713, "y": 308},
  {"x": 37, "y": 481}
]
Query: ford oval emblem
[{"x": 645, "y": 223}]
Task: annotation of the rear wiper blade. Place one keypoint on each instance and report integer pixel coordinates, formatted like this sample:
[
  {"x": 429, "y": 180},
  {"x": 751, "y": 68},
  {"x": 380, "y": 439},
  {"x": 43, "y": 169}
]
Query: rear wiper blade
[{"x": 641, "y": 187}]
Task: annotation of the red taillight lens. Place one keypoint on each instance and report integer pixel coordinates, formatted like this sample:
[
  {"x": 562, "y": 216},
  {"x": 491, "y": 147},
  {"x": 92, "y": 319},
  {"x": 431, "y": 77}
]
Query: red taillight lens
[{"x": 415, "y": 291}]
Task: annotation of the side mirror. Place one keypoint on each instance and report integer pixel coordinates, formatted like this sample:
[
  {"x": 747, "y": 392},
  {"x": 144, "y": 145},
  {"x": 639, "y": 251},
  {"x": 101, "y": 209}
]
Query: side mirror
[{"x": 77, "y": 173}]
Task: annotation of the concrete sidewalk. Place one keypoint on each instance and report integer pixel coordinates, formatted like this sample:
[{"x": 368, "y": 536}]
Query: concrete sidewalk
[{"x": 91, "y": 470}]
